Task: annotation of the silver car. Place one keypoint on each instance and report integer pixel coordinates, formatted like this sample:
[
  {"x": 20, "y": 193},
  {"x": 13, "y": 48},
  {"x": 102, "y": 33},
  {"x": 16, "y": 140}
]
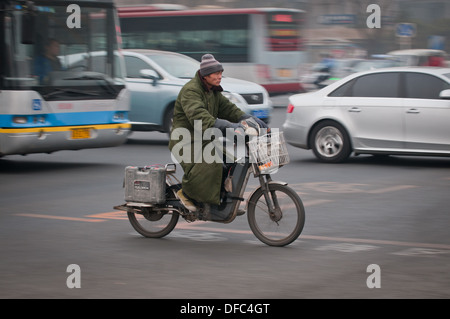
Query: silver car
[
  {"x": 154, "y": 79},
  {"x": 398, "y": 111}
]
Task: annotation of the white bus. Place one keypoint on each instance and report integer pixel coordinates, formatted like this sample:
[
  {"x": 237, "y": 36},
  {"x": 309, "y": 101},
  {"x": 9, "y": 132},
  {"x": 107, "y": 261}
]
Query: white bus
[
  {"x": 47, "y": 104},
  {"x": 262, "y": 45}
]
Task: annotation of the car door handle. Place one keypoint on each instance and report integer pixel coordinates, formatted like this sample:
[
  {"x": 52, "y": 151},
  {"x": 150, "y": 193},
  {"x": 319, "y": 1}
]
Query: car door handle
[
  {"x": 355, "y": 110},
  {"x": 413, "y": 111}
]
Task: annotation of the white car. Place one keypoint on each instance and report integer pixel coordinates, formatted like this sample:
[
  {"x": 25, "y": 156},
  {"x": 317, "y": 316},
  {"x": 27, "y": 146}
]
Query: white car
[
  {"x": 154, "y": 79},
  {"x": 402, "y": 111}
]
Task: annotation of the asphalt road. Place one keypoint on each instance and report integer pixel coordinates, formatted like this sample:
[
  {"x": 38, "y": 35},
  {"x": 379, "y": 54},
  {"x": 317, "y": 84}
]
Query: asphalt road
[{"x": 375, "y": 228}]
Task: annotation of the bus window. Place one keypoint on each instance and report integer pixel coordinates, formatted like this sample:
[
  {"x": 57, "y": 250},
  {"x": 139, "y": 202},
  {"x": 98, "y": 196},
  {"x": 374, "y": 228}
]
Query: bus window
[
  {"x": 62, "y": 87},
  {"x": 261, "y": 45},
  {"x": 224, "y": 36}
]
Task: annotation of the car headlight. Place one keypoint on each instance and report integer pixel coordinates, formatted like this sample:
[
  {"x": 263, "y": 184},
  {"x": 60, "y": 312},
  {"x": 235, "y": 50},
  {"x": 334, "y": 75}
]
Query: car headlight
[{"x": 234, "y": 97}]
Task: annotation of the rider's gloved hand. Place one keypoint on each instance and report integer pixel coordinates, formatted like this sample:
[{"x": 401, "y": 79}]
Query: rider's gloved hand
[
  {"x": 251, "y": 127},
  {"x": 224, "y": 124},
  {"x": 260, "y": 122},
  {"x": 239, "y": 131}
]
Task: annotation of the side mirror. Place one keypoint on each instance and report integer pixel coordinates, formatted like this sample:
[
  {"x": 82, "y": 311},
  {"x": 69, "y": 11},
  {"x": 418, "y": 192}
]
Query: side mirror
[
  {"x": 445, "y": 94},
  {"x": 150, "y": 74}
]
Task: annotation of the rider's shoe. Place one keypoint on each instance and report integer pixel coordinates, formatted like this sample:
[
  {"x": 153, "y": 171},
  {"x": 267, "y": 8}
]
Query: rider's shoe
[
  {"x": 240, "y": 212},
  {"x": 185, "y": 201},
  {"x": 205, "y": 212}
]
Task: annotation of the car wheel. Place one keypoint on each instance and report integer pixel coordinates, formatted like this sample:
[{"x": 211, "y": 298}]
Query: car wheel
[
  {"x": 168, "y": 119},
  {"x": 330, "y": 142}
]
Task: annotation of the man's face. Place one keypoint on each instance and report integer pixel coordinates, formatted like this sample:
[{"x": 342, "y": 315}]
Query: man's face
[{"x": 214, "y": 79}]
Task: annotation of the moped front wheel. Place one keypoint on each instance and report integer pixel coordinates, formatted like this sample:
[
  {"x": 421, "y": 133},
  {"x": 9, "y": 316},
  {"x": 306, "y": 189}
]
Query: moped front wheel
[
  {"x": 284, "y": 224},
  {"x": 154, "y": 223}
]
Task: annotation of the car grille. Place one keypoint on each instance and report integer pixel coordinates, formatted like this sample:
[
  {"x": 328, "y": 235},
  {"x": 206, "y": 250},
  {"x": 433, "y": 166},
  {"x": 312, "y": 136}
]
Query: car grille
[{"x": 254, "y": 98}]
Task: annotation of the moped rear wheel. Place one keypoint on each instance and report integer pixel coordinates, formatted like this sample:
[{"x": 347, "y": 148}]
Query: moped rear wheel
[
  {"x": 154, "y": 223},
  {"x": 282, "y": 226}
]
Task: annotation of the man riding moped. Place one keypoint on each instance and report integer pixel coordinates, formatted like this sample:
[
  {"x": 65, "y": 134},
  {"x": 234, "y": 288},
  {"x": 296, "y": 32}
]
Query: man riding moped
[
  {"x": 156, "y": 198},
  {"x": 200, "y": 105}
]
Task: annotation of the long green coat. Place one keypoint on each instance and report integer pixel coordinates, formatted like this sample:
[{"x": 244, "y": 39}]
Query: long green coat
[{"x": 201, "y": 180}]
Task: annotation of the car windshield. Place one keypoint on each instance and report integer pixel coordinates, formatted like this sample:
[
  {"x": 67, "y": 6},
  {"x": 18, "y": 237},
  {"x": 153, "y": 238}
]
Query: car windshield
[{"x": 178, "y": 66}]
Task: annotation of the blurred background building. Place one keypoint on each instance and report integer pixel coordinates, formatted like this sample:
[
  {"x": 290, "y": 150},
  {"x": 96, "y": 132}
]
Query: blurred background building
[{"x": 341, "y": 25}]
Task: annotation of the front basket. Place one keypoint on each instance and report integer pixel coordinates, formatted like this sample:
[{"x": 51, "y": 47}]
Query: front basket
[{"x": 269, "y": 152}]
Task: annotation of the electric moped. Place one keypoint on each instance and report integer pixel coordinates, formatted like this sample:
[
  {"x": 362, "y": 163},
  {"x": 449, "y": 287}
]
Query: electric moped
[{"x": 275, "y": 212}]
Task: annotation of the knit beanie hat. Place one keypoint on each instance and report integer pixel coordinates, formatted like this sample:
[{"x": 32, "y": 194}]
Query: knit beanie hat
[{"x": 209, "y": 65}]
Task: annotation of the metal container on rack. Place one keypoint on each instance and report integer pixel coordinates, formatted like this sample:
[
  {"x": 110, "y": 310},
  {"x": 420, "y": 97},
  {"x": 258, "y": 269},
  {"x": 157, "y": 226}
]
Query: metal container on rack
[{"x": 145, "y": 184}]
